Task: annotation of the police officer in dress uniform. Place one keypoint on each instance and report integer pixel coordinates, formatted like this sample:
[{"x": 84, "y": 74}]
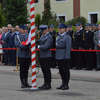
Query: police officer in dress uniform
[
  {"x": 70, "y": 32},
  {"x": 45, "y": 43},
  {"x": 63, "y": 49},
  {"x": 24, "y": 56},
  {"x": 78, "y": 44},
  {"x": 88, "y": 45},
  {"x": 53, "y": 34}
]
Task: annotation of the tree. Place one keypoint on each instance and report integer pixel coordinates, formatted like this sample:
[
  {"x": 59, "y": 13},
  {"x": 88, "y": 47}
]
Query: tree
[
  {"x": 16, "y": 12},
  {"x": 2, "y": 17},
  {"x": 38, "y": 19},
  {"x": 76, "y": 20},
  {"x": 47, "y": 12}
]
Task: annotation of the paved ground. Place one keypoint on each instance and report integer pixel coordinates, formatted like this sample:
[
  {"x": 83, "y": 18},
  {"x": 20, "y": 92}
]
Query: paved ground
[
  {"x": 79, "y": 89},
  {"x": 83, "y": 75}
]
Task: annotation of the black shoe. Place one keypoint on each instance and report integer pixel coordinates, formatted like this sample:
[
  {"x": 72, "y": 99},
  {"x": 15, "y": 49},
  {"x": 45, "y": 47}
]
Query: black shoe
[
  {"x": 23, "y": 86},
  {"x": 60, "y": 87},
  {"x": 65, "y": 88},
  {"x": 89, "y": 69},
  {"x": 97, "y": 69},
  {"x": 28, "y": 86},
  {"x": 45, "y": 87},
  {"x": 48, "y": 87},
  {"x": 42, "y": 87}
]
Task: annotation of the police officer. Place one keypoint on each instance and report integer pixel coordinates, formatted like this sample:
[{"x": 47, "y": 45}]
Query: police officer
[
  {"x": 24, "y": 57},
  {"x": 63, "y": 49},
  {"x": 70, "y": 32},
  {"x": 17, "y": 29},
  {"x": 94, "y": 27},
  {"x": 88, "y": 45},
  {"x": 45, "y": 43},
  {"x": 78, "y": 38},
  {"x": 53, "y": 34}
]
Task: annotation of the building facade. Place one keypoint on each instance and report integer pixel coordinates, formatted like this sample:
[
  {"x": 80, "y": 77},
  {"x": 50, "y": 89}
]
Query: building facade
[
  {"x": 68, "y": 9},
  {"x": 90, "y": 9}
]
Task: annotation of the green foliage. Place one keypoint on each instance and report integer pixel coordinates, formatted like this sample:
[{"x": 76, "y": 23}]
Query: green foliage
[
  {"x": 16, "y": 12},
  {"x": 81, "y": 20},
  {"x": 53, "y": 21},
  {"x": 46, "y": 15},
  {"x": 98, "y": 22},
  {"x": 2, "y": 17},
  {"x": 74, "y": 28},
  {"x": 38, "y": 19}
]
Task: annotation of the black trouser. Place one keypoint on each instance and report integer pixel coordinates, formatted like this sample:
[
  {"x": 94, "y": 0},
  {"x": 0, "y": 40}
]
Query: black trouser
[
  {"x": 9, "y": 57},
  {"x": 3, "y": 59},
  {"x": 89, "y": 60},
  {"x": 24, "y": 67},
  {"x": 64, "y": 71},
  {"x": 13, "y": 57},
  {"x": 53, "y": 61},
  {"x": 77, "y": 60},
  {"x": 94, "y": 60},
  {"x": 45, "y": 66},
  {"x": 72, "y": 61},
  {"x": 6, "y": 57}
]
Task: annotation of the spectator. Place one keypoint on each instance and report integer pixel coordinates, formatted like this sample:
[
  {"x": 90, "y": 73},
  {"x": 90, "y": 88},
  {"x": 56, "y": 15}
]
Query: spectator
[{"x": 1, "y": 52}]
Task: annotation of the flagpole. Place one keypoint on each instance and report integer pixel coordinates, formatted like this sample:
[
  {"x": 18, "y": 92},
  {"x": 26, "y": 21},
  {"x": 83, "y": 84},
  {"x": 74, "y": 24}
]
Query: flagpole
[{"x": 33, "y": 45}]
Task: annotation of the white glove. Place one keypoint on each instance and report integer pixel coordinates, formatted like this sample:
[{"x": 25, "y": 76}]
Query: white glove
[{"x": 38, "y": 46}]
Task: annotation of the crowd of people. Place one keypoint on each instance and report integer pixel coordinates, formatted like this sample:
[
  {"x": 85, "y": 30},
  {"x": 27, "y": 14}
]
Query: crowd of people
[
  {"x": 83, "y": 38},
  {"x": 86, "y": 38},
  {"x": 7, "y": 43},
  {"x": 64, "y": 40},
  {"x": 11, "y": 41}
]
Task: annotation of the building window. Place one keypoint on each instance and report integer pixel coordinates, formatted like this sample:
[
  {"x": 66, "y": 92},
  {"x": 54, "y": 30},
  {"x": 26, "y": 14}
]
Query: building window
[
  {"x": 61, "y": 18},
  {"x": 93, "y": 17}
]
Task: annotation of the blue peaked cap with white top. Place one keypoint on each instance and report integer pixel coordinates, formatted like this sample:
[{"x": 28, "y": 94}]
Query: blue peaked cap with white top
[{"x": 43, "y": 27}]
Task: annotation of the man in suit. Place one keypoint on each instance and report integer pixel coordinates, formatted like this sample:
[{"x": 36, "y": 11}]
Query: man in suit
[
  {"x": 12, "y": 45},
  {"x": 63, "y": 55},
  {"x": 6, "y": 44}
]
